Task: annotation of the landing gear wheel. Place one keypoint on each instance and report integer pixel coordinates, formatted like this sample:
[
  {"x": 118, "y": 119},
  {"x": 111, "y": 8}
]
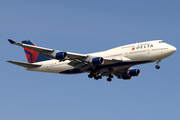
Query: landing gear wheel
[
  {"x": 100, "y": 77},
  {"x": 90, "y": 75},
  {"x": 109, "y": 79},
  {"x": 157, "y": 67},
  {"x": 110, "y": 76},
  {"x": 96, "y": 77}
]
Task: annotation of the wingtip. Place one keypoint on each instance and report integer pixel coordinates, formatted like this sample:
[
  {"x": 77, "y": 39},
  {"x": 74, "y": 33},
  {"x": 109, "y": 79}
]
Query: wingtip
[
  {"x": 9, "y": 61},
  {"x": 11, "y": 41}
]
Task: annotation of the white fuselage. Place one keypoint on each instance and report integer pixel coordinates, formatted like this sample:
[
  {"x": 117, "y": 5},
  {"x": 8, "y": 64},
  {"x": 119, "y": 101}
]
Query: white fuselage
[{"x": 132, "y": 54}]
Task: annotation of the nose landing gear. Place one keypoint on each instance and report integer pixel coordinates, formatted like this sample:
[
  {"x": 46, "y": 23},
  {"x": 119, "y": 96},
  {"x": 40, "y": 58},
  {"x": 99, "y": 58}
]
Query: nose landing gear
[{"x": 157, "y": 66}]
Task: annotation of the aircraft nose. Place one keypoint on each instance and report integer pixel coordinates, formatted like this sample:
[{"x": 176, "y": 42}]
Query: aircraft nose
[{"x": 173, "y": 49}]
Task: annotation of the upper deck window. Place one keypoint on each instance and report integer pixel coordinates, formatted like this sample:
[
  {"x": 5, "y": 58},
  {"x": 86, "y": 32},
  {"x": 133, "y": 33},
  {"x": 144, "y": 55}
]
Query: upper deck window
[{"x": 161, "y": 42}]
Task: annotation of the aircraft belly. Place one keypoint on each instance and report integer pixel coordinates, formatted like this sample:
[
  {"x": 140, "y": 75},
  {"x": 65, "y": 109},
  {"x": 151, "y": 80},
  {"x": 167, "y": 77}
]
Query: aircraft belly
[
  {"x": 56, "y": 68},
  {"x": 60, "y": 67}
]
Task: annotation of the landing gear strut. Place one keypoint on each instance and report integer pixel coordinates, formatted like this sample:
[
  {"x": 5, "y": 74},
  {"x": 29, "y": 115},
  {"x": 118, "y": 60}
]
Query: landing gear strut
[
  {"x": 157, "y": 66},
  {"x": 110, "y": 78}
]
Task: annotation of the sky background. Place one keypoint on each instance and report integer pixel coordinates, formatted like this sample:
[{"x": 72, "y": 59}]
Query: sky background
[{"x": 86, "y": 26}]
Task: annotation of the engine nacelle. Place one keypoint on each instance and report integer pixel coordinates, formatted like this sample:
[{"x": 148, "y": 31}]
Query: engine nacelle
[
  {"x": 97, "y": 61},
  {"x": 125, "y": 77},
  {"x": 133, "y": 72},
  {"x": 60, "y": 55}
]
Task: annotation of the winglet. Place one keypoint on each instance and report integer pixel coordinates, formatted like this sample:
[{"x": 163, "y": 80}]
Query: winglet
[{"x": 11, "y": 41}]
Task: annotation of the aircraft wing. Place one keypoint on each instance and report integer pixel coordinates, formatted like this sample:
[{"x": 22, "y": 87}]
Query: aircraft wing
[
  {"x": 26, "y": 65},
  {"x": 39, "y": 49},
  {"x": 47, "y": 51},
  {"x": 80, "y": 61}
]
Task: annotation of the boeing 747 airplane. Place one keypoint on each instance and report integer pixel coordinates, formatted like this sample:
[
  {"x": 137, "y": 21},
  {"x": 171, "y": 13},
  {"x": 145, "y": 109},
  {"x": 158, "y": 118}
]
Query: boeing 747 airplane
[{"x": 114, "y": 62}]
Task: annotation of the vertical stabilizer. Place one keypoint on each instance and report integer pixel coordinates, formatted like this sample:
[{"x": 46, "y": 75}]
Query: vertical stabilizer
[{"x": 33, "y": 56}]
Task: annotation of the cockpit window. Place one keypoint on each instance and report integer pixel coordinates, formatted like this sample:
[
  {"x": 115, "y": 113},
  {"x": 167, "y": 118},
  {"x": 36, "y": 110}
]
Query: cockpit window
[{"x": 161, "y": 42}]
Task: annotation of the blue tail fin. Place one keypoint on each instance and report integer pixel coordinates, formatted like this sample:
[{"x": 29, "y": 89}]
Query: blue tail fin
[{"x": 33, "y": 56}]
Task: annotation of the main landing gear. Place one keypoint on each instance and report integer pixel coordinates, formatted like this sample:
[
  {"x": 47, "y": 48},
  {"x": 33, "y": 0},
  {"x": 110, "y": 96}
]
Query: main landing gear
[
  {"x": 157, "y": 66},
  {"x": 110, "y": 78},
  {"x": 95, "y": 75}
]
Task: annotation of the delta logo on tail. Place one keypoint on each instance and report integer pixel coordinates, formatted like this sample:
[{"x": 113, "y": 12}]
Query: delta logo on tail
[{"x": 33, "y": 56}]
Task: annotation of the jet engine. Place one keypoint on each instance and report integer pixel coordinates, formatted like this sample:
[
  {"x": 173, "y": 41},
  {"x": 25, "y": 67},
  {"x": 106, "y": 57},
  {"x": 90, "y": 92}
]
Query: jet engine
[
  {"x": 125, "y": 77},
  {"x": 133, "y": 72},
  {"x": 97, "y": 61},
  {"x": 129, "y": 74},
  {"x": 60, "y": 55}
]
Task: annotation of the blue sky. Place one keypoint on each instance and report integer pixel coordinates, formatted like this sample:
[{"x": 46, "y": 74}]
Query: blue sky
[{"x": 84, "y": 27}]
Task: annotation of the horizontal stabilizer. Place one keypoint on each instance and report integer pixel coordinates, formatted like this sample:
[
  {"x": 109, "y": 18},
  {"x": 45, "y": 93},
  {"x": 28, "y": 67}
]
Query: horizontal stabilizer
[{"x": 27, "y": 65}]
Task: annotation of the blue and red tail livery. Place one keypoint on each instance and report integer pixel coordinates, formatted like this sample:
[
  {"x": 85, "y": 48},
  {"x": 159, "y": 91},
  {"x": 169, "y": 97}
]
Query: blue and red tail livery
[{"x": 33, "y": 56}]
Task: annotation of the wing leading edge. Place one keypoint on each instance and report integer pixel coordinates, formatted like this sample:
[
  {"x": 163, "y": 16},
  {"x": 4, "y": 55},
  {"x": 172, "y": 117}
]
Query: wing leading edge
[
  {"x": 48, "y": 52},
  {"x": 71, "y": 56}
]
